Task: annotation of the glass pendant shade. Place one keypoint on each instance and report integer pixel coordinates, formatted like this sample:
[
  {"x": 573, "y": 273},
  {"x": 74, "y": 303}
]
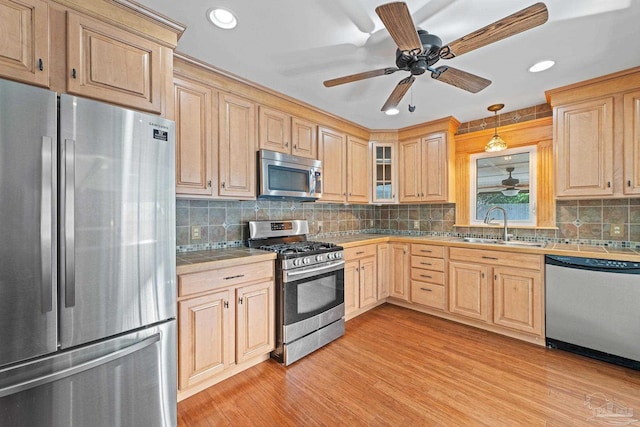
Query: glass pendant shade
[{"x": 495, "y": 144}]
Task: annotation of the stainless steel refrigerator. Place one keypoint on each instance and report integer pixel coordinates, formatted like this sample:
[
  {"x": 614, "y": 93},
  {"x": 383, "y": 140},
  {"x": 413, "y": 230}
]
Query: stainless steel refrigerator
[{"x": 87, "y": 263}]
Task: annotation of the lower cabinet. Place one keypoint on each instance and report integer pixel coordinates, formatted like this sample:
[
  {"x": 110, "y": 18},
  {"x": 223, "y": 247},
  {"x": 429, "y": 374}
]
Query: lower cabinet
[
  {"x": 226, "y": 323},
  {"x": 427, "y": 276},
  {"x": 360, "y": 279},
  {"x": 482, "y": 289},
  {"x": 399, "y": 271}
]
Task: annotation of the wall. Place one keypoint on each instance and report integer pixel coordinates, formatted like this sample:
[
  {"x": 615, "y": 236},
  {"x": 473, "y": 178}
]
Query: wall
[{"x": 225, "y": 223}]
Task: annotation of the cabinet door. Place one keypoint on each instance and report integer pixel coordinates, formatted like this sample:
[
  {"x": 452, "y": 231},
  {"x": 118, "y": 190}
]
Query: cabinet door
[
  {"x": 368, "y": 281},
  {"x": 351, "y": 286},
  {"x": 332, "y": 153},
  {"x": 400, "y": 271},
  {"x": 434, "y": 167},
  {"x": 632, "y": 143},
  {"x": 24, "y": 41},
  {"x": 274, "y": 130},
  {"x": 384, "y": 271},
  {"x": 304, "y": 137},
  {"x": 237, "y": 147},
  {"x": 110, "y": 64},
  {"x": 358, "y": 170},
  {"x": 409, "y": 171},
  {"x": 204, "y": 341},
  {"x": 384, "y": 180},
  {"x": 255, "y": 320},
  {"x": 517, "y": 299},
  {"x": 584, "y": 140},
  {"x": 468, "y": 293},
  {"x": 193, "y": 116}
]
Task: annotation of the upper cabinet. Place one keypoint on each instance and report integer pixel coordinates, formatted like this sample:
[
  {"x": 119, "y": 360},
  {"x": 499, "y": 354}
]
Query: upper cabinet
[
  {"x": 384, "y": 165},
  {"x": 114, "y": 65},
  {"x": 632, "y": 143},
  {"x": 426, "y": 162},
  {"x": 117, "y": 52},
  {"x": 332, "y": 153},
  {"x": 237, "y": 147},
  {"x": 357, "y": 170},
  {"x": 24, "y": 41},
  {"x": 286, "y": 134},
  {"x": 595, "y": 128}
]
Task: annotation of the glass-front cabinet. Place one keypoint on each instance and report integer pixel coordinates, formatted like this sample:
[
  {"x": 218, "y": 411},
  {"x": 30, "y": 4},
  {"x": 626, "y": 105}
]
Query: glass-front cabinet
[{"x": 384, "y": 173}]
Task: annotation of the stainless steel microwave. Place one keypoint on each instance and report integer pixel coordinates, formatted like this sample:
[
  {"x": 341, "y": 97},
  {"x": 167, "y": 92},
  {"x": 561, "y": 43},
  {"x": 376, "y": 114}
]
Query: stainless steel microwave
[{"x": 283, "y": 176}]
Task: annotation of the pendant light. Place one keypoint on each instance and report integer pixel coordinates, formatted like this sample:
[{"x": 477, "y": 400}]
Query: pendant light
[{"x": 496, "y": 143}]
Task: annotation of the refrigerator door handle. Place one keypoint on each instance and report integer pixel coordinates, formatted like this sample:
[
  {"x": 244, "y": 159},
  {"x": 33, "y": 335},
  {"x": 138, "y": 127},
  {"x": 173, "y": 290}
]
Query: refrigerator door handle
[
  {"x": 46, "y": 222},
  {"x": 69, "y": 220},
  {"x": 74, "y": 370}
]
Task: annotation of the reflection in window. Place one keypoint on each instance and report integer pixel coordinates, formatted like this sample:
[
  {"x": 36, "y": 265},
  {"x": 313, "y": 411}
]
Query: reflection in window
[{"x": 506, "y": 180}]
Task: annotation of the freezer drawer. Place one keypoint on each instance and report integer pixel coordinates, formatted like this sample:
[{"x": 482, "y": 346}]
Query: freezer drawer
[{"x": 125, "y": 381}]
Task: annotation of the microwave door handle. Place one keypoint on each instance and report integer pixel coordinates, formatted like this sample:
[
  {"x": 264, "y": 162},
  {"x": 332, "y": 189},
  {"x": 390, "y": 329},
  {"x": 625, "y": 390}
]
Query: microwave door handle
[{"x": 312, "y": 184}]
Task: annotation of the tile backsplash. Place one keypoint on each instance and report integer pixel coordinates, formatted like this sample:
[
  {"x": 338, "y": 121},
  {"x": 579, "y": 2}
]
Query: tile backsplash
[{"x": 224, "y": 223}]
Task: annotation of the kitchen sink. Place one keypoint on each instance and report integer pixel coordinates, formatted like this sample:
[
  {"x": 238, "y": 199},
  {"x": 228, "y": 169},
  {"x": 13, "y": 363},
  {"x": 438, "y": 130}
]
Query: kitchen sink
[{"x": 502, "y": 242}]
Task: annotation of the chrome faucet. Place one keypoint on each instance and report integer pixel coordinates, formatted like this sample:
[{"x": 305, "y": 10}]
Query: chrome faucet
[{"x": 488, "y": 220}]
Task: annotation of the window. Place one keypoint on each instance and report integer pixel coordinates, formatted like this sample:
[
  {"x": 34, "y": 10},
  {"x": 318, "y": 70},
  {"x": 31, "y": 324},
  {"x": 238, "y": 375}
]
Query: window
[{"x": 507, "y": 180}]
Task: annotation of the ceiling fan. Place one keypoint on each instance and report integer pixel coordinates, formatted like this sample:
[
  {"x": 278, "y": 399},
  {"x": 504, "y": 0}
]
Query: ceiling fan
[
  {"x": 510, "y": 184},
  {"x": 418, "y": 51}
]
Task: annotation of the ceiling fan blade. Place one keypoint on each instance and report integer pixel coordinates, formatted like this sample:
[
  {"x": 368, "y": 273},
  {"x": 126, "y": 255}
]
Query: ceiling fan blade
[
  {"x": 397, "y": 19},
  {"x": 462, "y": 79},
  {"x": 359, "y": 76},
  {"x": 518, "y": 22},
  {"x": 398, "y": 93}
]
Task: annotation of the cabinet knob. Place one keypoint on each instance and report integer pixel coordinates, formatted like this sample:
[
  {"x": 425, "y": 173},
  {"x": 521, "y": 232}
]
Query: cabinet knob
[
  {"x": 40, "y": 64},
  {"x": 286, "y": 144},
  {"x": 344, "y": 194},
  {"x": 223, "y": 185},
  {"x": 209, "y": 183},
  {"x": 73, "y": 73},
  {"x": 482, "y": 275},
  {"x": 608, "y": 184},
  {"x": 226, "y": 304},
  {"x": 629, "y": 183},
  {"x": 295, "y": 146},
  {"x": 240, "y": 300}
]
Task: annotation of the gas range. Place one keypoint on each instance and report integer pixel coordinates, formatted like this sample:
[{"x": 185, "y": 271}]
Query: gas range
[{"x": 289, "y": 240}]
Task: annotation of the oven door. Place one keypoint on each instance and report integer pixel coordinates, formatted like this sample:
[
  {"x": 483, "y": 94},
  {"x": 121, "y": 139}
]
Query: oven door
[{"x": 311, "y": 291}]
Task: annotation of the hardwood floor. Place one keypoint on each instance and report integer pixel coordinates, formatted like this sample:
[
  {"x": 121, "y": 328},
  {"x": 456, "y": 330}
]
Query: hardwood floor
[{"x": 398, "y": 367}]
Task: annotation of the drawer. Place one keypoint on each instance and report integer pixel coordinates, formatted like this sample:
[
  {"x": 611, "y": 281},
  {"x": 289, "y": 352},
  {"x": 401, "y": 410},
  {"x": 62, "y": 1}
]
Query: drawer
[
  {"x": 194, "y": 283},
  {"x": 511, "y": 259},
  {"x": 427, "y": 250},
  {"x": 360, "y": 252},
  {"x": 427, "y": 263},
  {"x": 427, "y": 276},
  {"x": 427, "y": 294}
]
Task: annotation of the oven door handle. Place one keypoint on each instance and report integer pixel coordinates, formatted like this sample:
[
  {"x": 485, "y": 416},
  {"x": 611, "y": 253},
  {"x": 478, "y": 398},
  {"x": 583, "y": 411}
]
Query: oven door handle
[{"x": 326, "y": 267}]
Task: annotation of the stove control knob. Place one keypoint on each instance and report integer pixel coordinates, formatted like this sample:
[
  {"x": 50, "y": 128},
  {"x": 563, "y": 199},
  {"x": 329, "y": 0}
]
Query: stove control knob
[
  {"x": 330, "y": 255},
  {"x": 338, "y": 254},
  {"x": 296, "y": 262},
  {"x": 306, "y": 260},
  {"x": 319, "y": 258}
]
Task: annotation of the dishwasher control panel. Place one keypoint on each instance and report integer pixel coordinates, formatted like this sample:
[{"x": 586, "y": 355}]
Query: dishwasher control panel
[{"x": 594, "y": 263}]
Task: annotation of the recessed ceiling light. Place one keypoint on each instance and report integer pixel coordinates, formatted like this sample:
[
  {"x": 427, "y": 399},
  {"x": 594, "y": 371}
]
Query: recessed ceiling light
[
  {"x": 541, "y": 66},
  {"x": 222, "y": 18},
  {"x": 392, "y": 111}
]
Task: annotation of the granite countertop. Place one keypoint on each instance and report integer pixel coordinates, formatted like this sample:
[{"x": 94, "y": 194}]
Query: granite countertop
[{"x": 192, "y": 262}]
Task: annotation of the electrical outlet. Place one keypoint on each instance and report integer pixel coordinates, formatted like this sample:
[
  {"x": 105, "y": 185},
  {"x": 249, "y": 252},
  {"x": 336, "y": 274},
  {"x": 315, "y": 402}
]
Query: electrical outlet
[
  {"x": 319, "y": 226},
  {"x": 371, "y": 223},
  {"x": 195, "y": 232},
  {"x": 616, "y": 230},
  {"x": 416, "y": 225}
]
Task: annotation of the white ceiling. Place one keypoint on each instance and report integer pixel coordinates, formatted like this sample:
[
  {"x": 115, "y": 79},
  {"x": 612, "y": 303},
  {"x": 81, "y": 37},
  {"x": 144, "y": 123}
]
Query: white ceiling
[{"x": 292, "y": 46}]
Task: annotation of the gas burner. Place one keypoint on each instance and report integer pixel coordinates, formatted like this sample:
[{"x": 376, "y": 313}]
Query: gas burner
[{"x": 298, "y": 247}]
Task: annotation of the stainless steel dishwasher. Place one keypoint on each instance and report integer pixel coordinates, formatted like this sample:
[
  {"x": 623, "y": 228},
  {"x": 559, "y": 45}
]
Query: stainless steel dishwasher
[{"x": 593, "y": 308}]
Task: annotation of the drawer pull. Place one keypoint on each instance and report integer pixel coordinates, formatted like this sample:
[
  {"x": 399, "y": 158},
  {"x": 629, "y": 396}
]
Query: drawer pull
[
  {"x": 489, "y": 257},
  {"x": 426, "y": 263},
  {"x": 359, "y": 252},
  {"x": 426, "y": 289},
  {"x": 425, "y": 276},
  {"x": 234, "y": 277},
  {"x": 426, "y": 250}
]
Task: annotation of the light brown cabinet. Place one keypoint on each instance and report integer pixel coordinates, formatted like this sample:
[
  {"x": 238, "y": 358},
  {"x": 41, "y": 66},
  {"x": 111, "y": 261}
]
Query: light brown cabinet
[
  {"x": 237, "y": 147},
  {"x": 400, "y": 271},
  {"x": 428, "y": 281},
  {"x": 357, "y": 170},
  {"x": 384, "y": 177},
  {"x": 24, "y": 45},
  {"x": 384, "y": 270},
  {"x": 631, "y": 184},
  {"x": 584, "y": 146},
  {"x": 332, "y": 153},
  {"x": 111, "y": 64},
  {"x": 281, "y": 132},
  {"x": 196, "y": 134},
  {"x": 361, "y": 284},
  {"x": 425, "y": 169},
  {"x": 226, "y": 323},
  {"x": 483, "y": 289}
]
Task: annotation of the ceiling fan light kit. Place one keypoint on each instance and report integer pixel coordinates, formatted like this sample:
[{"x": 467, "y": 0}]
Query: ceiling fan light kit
[
  {"x": 418, "y": 50},
  {"x": 495, "y": 143},
  {"x": 510, "y": 183}
]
